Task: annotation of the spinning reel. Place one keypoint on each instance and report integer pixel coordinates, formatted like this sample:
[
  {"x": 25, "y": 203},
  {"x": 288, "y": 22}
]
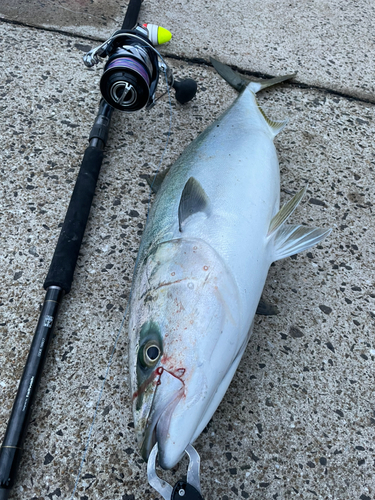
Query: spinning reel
[{"x": 131, "y": 74}]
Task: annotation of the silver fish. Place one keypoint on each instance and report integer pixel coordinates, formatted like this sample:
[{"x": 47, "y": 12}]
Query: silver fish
[{"x": 213, "y": 231}]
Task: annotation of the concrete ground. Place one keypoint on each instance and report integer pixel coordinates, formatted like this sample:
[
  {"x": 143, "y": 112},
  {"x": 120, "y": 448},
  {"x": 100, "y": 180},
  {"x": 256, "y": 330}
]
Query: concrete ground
[{"x": 298, "y": 421}]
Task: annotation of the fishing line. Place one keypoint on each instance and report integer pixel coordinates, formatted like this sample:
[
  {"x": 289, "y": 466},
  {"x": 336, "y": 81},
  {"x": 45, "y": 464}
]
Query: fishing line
[
  {"x": 168, "y": 137},
  {"x": 127, "y": 303}
]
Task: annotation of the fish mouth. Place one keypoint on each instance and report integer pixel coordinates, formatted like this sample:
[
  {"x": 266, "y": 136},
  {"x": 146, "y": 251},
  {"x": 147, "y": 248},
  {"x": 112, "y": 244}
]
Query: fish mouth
[{"x": 169, "y": 391}]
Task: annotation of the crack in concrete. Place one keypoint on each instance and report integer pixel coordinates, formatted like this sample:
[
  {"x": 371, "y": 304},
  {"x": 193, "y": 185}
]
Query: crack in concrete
[
  {"x": 200, "y": 61},
  {"x": 97, "y": 40}
]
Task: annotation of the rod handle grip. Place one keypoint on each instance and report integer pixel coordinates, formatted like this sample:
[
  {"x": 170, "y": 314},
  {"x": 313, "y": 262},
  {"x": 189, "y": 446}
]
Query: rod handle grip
[
  {"x": 67, "y": 249},
  {"x": 131, "y": 16}
]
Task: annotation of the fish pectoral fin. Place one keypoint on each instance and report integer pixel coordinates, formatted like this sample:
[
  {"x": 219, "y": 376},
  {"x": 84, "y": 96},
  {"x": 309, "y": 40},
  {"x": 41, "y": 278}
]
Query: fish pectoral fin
[
  {"x": 193, "y": 200},
  {"x": 292, "y": 239},
  {"x": 155, "y": 181},
  {"x": 265, "y": 308}
]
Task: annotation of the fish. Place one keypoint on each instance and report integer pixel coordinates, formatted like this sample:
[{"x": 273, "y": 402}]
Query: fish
[{"x": 213, "y": 231}]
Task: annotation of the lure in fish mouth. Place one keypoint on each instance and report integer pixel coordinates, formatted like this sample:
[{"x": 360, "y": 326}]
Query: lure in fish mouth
[
  {"x": 168, "y": 391},
  {"x": 213, "y": 231}
]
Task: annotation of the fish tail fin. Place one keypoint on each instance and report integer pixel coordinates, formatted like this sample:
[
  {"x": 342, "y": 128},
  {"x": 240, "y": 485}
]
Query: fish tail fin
[
  {"x": 237, "y": 81},
  {"x": 257, "y": 85},
  {"x": 289, "y": 239},
  {"x": 240, "y": 82}
]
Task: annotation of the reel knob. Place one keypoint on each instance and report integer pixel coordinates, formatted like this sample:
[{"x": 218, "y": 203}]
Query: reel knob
[{"x": 185, "y": 90}]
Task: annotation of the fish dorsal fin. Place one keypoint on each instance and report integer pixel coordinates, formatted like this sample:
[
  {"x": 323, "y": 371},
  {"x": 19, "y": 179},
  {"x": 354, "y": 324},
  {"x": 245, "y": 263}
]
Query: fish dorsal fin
[
  {"x": 193, "y": 200},
  {"x": 291, "y": 239},
  {"x": 287, "y": 210},
  {"x": 265, "y": 308}
]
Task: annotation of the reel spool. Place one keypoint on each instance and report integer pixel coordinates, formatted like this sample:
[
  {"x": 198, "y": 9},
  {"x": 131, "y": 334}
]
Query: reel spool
[
  {"x": 131, "y": 72},
  {"x": 127, "y": 79}
]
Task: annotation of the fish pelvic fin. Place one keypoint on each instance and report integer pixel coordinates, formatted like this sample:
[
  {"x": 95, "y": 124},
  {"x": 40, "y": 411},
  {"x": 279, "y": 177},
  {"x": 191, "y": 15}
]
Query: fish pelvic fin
[
  {"x": 193, "y": 199},
  {"x": 286, "y": 211},
  {"x": 292, "y": 239},
  {"x": 289, "y": 239},
  {"x": 155, "y": 181}
]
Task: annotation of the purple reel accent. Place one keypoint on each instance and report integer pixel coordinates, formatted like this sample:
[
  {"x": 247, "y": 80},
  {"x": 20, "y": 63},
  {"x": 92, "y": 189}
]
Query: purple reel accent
[{"x": 132, "y": 64}]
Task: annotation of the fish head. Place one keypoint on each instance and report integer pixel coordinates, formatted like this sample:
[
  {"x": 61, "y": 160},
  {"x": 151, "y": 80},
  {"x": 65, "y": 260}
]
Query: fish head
[{"x": 183, "y": 320}]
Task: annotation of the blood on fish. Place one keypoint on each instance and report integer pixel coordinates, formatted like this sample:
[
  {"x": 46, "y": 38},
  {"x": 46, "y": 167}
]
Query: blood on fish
[
  {"x": 166, "y": 360},
  {"x": 181, "y": 372},
  {"x": 148, "y": 381}
]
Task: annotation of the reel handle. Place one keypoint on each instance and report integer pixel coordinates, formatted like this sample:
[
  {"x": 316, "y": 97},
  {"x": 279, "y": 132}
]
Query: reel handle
[{"x": 185, "y": 90}]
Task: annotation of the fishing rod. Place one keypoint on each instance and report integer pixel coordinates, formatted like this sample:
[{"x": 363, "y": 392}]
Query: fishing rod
[{"x": 128, "y": 83}]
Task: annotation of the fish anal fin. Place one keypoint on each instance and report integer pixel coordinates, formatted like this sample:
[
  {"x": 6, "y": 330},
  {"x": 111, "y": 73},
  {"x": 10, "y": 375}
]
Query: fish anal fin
[
  {"x": 265, "y": 308},
  {"x": 291, "y": 239},
  {"x": 193, "y": 200}
]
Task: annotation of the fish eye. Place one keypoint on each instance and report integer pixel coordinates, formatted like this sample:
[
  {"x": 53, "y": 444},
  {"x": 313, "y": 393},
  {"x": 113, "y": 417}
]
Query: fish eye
[{"x": 151, "y": 353}]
